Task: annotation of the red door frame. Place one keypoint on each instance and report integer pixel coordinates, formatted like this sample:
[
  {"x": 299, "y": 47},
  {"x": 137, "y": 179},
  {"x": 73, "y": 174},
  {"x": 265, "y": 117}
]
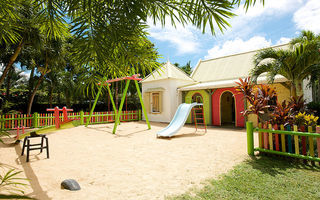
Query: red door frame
[{"x": 239, "y": 106}]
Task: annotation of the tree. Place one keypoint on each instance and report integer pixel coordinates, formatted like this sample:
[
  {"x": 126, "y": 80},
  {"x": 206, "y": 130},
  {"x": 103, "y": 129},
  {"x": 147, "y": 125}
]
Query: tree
[
  {"x": 296, "y": 64},
  {"x": 110, "y": 35},
  {"x": 187, "y": 68},
  {"x": 47, "y": 59},
  {"x": 27, "y": 22}
]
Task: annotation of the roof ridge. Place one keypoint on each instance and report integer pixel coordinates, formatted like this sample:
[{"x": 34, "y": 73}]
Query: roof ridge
[{"x": 236, "y": 54}]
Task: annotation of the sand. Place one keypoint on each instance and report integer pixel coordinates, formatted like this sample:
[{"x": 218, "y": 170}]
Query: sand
[{"x": 133, "y": 164}]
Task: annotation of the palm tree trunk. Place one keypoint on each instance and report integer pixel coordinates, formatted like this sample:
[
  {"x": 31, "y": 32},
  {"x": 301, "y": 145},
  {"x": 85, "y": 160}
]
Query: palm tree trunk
[
  {"x": 34, "y": 93},
  {"x": 293, "y": 89},
  {"x": 300, "y": 90},
  {"x": 11, "y": 61},
  {"x": 30, "y": 83},
  {"x": 8, "y": 86}
]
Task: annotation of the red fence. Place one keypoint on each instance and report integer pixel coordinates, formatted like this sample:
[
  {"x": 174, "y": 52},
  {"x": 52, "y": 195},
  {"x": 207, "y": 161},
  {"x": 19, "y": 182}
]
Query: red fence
[{"x": 11, "y": 121}]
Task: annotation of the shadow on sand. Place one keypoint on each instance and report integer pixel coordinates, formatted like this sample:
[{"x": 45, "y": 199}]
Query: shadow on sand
[{"x": 38, "y": 192}]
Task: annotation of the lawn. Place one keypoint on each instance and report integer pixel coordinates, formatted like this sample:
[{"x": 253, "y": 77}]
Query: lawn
[{"x": 262, "y": 178}]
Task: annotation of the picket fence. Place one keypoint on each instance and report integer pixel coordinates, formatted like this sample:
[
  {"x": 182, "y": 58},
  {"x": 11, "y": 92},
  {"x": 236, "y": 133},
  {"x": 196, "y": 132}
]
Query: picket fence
[
  {"x": 38, "y": 120},
  {"x": 293, "y": 141}
]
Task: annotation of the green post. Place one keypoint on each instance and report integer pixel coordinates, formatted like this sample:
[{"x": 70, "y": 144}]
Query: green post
[
  {"x": 139, "y": 115},
  {"x": 95, "y": 102},
  {"x": 2, "y": 121},
  {"x": 120, "y": 107},
  {"x": 142, "y": 104},
  {"x": 81, "y": 117},
  {"x": 112, "y": 101},
  {"x": 250, "y": 144},
  {"x": 35, "y": 120}
]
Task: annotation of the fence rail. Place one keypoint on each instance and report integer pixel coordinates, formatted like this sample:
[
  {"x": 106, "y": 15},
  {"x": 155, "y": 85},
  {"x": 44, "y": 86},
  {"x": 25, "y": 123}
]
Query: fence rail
[
  {"x": 297, "y": 144},
  {"x": 38, "y": 120}
]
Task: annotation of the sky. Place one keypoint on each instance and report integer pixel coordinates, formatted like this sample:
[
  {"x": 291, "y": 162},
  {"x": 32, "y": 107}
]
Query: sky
[{"x": 261, "y": 26}]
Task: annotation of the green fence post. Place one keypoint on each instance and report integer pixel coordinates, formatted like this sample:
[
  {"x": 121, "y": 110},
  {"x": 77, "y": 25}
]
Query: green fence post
[
  {"x": 81, "y": 117},
  {"x": 2, "y": 121},
  {"x": 35, "y": 120},
  {"x": 139, "y": 115},
  {"x": 250, "y": 144}
]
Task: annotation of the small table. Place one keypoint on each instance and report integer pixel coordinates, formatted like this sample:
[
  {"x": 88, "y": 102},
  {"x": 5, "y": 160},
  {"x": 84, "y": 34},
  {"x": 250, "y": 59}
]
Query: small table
[{"x": 37, "y": 146}]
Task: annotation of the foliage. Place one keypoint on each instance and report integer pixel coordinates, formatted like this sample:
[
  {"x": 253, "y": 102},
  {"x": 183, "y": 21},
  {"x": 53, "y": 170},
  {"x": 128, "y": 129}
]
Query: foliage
[
  {"x": 281, "y": 114},
  {"x": 11, "y": 183},
  {"x": 296, "y": 64},
  {"x": 314, "y": 107},
  {"x": 263, "y": 102},
  {"x": 311, "y": 120},
  {"x": 261, "y": 178},
  {"x": 297, "y": 104},
  {"x": 305, "y": 119},
  {"x": 259, "y": 98},
  {"x": 187, "y": 68},
  {"x": 300, "y": 119}
]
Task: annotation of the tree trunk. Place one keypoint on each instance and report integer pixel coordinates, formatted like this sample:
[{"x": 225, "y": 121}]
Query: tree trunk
[
  {"x": 34, "y": 93},
  {"x": 293, "y": 90},
  {"x": 11, "y": 61},
  {"x": 299, "y": 88},
  {"x": 30, "y": 83},
  {"x": 8, "y": 86}
]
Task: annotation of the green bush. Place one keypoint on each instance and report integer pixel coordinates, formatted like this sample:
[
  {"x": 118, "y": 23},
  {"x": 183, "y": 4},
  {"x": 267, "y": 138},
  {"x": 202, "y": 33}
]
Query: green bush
[{"x": 314, "y": 107}]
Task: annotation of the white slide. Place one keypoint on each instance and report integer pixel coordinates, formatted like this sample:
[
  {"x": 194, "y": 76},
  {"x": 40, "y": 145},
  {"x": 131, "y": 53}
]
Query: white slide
[{"x": 178, "y": 120}]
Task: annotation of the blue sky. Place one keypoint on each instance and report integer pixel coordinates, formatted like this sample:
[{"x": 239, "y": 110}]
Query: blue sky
[{"x": 274, "y": 23}]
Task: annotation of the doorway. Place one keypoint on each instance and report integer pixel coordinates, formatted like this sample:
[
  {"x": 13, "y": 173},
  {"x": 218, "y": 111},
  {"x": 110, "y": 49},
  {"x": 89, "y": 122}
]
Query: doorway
[{"x": 227, "y": 109}]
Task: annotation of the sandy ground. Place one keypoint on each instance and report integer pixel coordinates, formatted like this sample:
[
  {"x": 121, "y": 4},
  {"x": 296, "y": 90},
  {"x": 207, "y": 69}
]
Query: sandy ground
[{"x": 133, "y": 164}]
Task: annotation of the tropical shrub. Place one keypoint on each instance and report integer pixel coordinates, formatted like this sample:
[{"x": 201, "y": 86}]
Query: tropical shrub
[{"x": 263, "y": 102}]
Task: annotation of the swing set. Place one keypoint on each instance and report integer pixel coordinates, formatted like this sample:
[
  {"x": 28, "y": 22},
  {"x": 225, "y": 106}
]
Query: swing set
[{"x": 106, "y": 82}]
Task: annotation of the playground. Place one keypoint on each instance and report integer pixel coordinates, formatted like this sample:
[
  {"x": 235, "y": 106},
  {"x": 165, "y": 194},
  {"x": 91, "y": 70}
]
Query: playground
[{"x": 132, "y": 164}]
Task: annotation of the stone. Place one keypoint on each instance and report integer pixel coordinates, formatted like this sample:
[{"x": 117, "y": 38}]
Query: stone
[{"x": 70, "y": 184}]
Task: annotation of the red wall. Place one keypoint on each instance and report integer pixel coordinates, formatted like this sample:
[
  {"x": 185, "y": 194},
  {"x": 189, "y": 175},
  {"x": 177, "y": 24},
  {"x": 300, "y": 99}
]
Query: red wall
[{"x": 216, "y": 106}]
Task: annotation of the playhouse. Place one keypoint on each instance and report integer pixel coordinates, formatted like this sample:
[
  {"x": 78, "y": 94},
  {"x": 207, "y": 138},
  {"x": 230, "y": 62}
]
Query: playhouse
[{"x": 212, "y": 83}]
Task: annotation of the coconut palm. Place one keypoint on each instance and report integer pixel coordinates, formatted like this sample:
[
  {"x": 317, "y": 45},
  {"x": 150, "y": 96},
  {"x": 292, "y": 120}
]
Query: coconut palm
[
  {"x": 47, "y": 59},
  {"x": 295, "y": 64},
  {"x": 30, "y": 22}
]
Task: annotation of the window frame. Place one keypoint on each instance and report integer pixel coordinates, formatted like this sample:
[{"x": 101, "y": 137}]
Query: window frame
[{"x": 151, "y": 102}]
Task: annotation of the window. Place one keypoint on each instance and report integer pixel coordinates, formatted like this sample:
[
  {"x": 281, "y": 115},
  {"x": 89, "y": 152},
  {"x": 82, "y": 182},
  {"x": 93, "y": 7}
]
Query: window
[
  {"x": 197, "y": 98},
  {"x": 155, "y": 102}
]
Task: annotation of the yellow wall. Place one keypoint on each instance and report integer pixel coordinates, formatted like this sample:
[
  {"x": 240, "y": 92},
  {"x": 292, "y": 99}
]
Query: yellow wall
[{"x": 206, "y": 104}]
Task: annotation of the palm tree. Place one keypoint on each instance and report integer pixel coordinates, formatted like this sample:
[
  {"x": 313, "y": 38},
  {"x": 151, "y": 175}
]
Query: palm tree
[
  {"x": 296, "y": 64},
  {"x": 28, "y": 22},
  {"x": 45, "y": 60}
]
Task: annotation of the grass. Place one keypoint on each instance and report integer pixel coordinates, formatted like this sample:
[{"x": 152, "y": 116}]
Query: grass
[{"x": 262, "y": 178}]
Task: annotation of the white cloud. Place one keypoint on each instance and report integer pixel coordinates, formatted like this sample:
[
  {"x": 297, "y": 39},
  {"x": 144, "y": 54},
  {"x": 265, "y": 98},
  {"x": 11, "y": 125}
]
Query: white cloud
[
  {"x": 283, "y": 40},
  {"x": 183, "y": 39},
  {"x": 237, "y": 46},
  {"x": 245, "y": 23},
  {"x": 308, "y": 16}
]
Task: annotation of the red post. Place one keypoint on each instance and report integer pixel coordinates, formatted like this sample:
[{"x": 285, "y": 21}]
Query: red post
[
  {"x": 65, "y": 113},
  {"x": 303, "y": 141}
]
